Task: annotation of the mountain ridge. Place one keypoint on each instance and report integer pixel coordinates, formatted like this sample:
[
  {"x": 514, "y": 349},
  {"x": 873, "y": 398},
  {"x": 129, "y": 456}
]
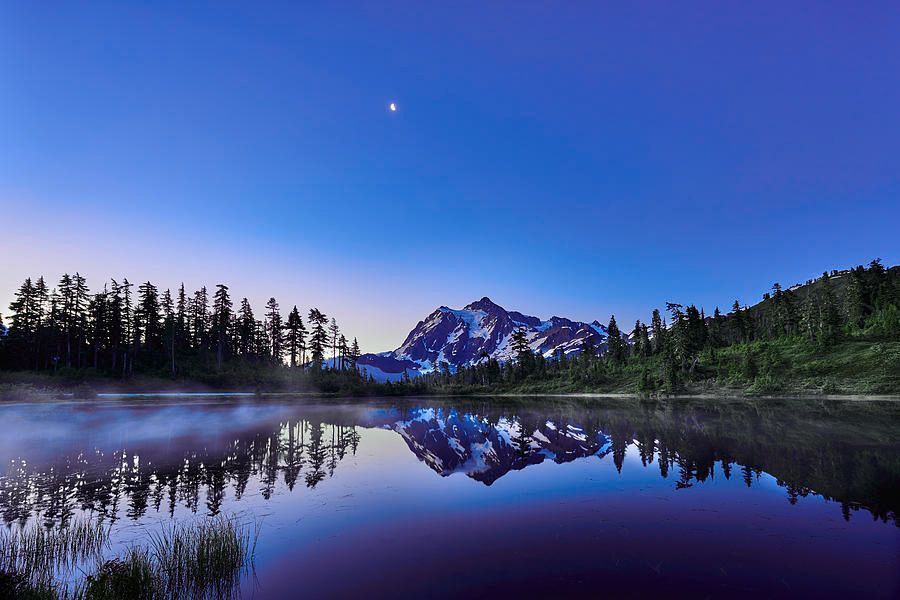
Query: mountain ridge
[{"x": 451, "y": 338}]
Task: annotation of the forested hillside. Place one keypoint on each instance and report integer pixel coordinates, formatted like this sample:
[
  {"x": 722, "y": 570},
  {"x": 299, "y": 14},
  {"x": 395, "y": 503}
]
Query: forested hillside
[{"x": 838, "y": 333}]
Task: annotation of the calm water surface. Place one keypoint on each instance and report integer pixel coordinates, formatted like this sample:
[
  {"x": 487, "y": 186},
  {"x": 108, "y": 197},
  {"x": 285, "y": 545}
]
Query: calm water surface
[{"x": 485, "y": 497}]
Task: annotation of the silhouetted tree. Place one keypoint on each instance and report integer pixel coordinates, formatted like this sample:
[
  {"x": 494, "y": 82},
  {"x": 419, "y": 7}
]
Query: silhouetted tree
[
  {"x": 354, "y": 353},
  {"x": 246, "y": 329},
  {"x": 296, "y": 333},
  {"x": 221, "y": 319},
  {"x": 343, "y": 350},
  {"x": 333, "y": 332},
  {"x": 274, "y": 331},
  {"x": 318, "y": 339},
  {"x": 169, "y": 326}
]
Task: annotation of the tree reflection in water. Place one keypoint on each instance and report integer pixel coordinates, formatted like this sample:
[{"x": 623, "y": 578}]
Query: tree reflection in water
[{"x": 845, "y": 452}]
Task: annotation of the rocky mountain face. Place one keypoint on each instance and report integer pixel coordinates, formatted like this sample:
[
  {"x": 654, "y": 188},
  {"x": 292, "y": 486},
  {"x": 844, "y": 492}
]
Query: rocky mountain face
[{"x": 482, "y": 329}]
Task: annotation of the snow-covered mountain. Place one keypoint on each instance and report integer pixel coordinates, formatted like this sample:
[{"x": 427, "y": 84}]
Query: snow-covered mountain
[
  {"x": 463, "y": 337},
  {"x": 453, "y": 442}
]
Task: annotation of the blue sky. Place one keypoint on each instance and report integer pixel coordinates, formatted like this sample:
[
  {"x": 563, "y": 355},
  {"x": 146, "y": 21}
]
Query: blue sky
[{"x": 578, "y": 160}]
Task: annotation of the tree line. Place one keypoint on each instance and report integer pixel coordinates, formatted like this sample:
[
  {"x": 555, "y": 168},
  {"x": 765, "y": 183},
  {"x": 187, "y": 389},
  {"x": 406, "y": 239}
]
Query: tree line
[
  {"x": 119, "y": 331},
  {"x": 122, "y": 329}
]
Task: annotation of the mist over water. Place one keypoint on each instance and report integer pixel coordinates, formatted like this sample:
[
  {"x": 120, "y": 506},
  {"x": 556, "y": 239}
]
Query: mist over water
[{"x": 485, "y": 496}]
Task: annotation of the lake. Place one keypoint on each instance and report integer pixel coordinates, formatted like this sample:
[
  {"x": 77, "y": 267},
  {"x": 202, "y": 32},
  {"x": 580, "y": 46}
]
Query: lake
[{"x": 487, "y": 497}]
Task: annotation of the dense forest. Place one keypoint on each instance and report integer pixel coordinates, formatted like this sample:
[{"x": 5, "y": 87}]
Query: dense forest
[
  {"x": 839, "y": 333},
  {"x": 122, "y": 332}
]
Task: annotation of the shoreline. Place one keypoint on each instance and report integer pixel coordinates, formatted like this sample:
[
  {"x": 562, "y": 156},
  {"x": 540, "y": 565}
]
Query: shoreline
[
  {"x": 730, "y": 396},
  {"x": 24, "y": 393}
]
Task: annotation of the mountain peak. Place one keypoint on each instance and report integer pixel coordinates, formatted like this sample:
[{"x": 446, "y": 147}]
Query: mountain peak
[
  {"x": 463, "y": 337},
  {"x": 485, "y": 304}
]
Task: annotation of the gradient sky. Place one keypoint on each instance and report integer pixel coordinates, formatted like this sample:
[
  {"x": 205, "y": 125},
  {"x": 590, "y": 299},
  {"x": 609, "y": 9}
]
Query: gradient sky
[{"x": 577, "y": 160}]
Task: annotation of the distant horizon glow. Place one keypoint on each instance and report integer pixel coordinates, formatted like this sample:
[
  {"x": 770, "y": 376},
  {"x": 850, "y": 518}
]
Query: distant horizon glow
[{"x": 579, "y": 161}]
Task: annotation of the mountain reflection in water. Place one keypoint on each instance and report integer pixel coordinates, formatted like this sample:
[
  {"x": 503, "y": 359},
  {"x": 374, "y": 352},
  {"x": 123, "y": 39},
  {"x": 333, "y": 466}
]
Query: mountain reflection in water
[{"x": 122, "y": 460}]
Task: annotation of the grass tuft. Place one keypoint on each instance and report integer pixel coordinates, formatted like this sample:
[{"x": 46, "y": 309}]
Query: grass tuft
[
  {"x": 32, "y": 557},
  {"x": 201, "y": 560},
  {"x": 197, "y": 560}
]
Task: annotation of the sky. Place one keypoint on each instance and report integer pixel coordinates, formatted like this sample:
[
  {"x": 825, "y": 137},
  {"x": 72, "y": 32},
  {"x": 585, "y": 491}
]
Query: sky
[{"x": 580, "y": 160}]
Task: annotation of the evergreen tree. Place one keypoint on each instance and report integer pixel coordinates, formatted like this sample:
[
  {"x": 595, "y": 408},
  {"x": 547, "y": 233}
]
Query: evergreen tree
[
  {"x": 615, "y": 345},
  {"x": 246, "y": 329},
  {"x": 739, "y": 321},
  {"x": 670, "y": 366},
  {"x": 881, "y": 292},
  {"x": 54, "y": 329},
  {"x": 659, "y": 331},
  {"x": 343, "y": 350},
  {"x": 221, "y": 319},
  {"x": 830, "y": 320},
  {"x": 200, "y": 320},
  {"x": 117, "y": 326},
  {"x": 182, "y": 332},
  {"x": 301, "y": 340},
  {"x": 80, "y": 315},
  {"x": 855, "y": 299},
  {"x": 98, "y": 335},
  {"x": 646, "y": 348},
  {"x": 147, "y": 317},
  {"x": 588, "y": 349},
  {"x": 716, "y": 328},
  {"x": 169, "y": 327},
  {"x": 43, "y": 333},
  {"x": 784, "y": 304},
  {"x": 24, "y": 324},
  {"x": 519, "y": 344},
  {"x": 129, "y": 336},
  {"x": 295, "y": 331},
  {"x": 318, "y": 339},
  {"x": 274, "y": 331},
  {"x": 333, "y": 332},
  {"x": 809, "y": 319},
  {"x": 354, "y": 353},
  {"x": 636, "y": 335},
  {"x": 695, "y": 334},
  {"x": 263, "y": 346},
  {"x": 677, "y": 341},
  {"x": 66, "y": 313}
]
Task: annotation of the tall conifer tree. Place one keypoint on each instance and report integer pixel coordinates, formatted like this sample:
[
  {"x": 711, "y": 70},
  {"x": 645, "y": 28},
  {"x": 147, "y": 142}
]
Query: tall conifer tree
[
  {"x": 275, "y": 331},
  {"x": 221, "y": 319}
]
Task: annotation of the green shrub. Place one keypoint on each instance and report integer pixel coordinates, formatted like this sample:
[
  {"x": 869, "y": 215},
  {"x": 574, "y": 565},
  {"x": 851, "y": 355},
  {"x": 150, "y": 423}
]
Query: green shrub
[
  {"x": 884, "y": 322},
  {"x": 765, "y": 384}
]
